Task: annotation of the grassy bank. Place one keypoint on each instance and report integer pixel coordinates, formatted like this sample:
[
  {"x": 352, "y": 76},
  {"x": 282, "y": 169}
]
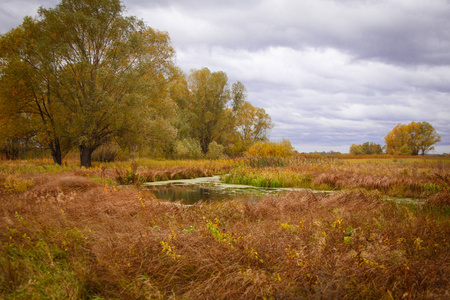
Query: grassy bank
[
  {"x": 410, "y": 177},
  {"x": 115, "y": 173}
]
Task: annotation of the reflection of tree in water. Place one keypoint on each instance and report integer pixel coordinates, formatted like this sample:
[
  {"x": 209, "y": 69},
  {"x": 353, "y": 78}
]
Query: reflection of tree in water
[{"x": 191, "y": 194}]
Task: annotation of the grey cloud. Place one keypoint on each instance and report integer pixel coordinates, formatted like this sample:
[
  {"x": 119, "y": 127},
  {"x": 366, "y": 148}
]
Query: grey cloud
[
  {"x": 330, "y": 73},
  {"x": 405, "y": 32},
  {"x": 12, "y": 12}
]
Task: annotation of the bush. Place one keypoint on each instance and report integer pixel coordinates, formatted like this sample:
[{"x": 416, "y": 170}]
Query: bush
[
  {"x": 188, "y": 148},
  {"x": 215, "y": 151},
  {"x": 105, "y": 153},
  {"x": 404, "y": 150},
  {"x": 14, "y": 184},
  {"x": 272, "y": 149}
]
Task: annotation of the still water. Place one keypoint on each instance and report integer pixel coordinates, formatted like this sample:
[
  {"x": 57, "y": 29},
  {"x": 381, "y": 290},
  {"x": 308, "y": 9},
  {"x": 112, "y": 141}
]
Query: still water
[{"x": 190, "y": 191}]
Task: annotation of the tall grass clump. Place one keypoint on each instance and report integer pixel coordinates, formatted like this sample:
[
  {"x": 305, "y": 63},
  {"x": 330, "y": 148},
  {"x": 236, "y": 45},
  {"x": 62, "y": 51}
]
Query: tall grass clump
[{"x": 267, "y": 177}]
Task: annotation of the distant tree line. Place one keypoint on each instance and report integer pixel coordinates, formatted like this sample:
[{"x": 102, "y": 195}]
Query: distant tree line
[
  {"x": 404, "y": 139},
  {"x": 83, "y": 76},
  {"x": 366, "y": 149}
]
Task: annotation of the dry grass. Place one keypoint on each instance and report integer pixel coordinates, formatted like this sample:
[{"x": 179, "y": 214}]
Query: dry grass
[
  {"x": 68, "y": 237},
  {"x": 407, "y": 177}
]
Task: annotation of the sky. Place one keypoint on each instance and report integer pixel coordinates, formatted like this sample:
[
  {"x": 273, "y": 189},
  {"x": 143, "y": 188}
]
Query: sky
[{"x": 330, "y": 73}]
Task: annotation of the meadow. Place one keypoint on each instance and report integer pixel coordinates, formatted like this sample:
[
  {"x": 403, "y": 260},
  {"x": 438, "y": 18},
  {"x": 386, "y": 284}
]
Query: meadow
[{"x": 70, "y": 232}]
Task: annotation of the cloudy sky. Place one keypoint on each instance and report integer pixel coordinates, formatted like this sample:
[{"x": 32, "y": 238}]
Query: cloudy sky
[{"x": 329, "y": 72}]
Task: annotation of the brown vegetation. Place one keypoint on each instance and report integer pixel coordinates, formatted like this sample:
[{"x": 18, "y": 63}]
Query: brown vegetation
[
  {"x": 69, "y": 237},
  {"x": 406, "y": 177}
]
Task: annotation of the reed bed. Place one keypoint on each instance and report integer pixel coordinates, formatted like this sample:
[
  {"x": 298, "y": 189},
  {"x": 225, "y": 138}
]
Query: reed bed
[
  {"x": 70, "y": 237},
  {"x": 415, "y": 178},
  {"x": 116, "y": 173}
]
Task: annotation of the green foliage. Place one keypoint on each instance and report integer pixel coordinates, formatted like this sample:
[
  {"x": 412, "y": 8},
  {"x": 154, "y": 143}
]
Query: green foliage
[
  {"x": 212, "y": 228},
  {"x": 106, "y": 153},
  {"x": 366, "y": 149},
  {"x": 208, "y": 111},
  {"x": 40, "y": 263},
  {"x": 215, "y": 151},
  {"x": 268, "y": 178},
  {"x": 132, "y": 176},
  {"x": 87, "y": 74},
  {"x": 210, "y": 94},
  {"x": 252, "y": 124},
  {"x": 404, "y": 150},
  {"x": 188, "y": 149},
  {"x": 266, "y": 161}
]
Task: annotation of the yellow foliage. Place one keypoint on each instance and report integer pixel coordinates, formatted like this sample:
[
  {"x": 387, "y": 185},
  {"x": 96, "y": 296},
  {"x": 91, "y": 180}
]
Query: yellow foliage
[
  {"x": 413, "y": 138},
  {"x": 14, "y": 184},
  {"x": 272, "y": 149}
]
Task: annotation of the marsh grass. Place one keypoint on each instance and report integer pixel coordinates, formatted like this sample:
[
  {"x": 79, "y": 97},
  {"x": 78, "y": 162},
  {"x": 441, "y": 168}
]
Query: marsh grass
[
  {"x": 69, "y": 237},
  {"x": 406, "y": 177}
]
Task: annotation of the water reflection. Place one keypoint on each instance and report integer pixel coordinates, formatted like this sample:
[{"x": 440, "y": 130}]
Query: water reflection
[
  {"x": 193, "y": 194},
  {"x": 191, "y": 191}
]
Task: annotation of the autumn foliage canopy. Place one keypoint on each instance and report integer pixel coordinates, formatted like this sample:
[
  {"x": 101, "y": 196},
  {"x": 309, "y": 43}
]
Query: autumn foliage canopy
[{"x": 411, "y": 139}]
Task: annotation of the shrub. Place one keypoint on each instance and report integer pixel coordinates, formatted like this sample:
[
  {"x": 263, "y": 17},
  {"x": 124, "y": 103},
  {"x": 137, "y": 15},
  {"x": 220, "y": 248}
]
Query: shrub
[
  {"x": 215, "y": 151},
  {"x": 105, "y": 153},
  {"x": 188, "y": 148},
  {"x": 404, "y": 150},
  {"x": 14, "y": 184},
  {"x": 272, "y": 149}
]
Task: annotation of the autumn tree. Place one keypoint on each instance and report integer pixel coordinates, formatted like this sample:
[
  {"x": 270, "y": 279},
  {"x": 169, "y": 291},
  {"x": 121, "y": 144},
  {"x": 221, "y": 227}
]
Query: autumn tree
[
  {"x": 93, "y": 74},
  {"x": 209, "y": 95},
  {"x": 238, "y": 95},
  {"x": 414, "y": 138},
  {"x": 252, "y": 124},
  {"x": 28, "y": 88},
  {"x": 209, "y": 111},
  {"x": 16, "y": 135}
]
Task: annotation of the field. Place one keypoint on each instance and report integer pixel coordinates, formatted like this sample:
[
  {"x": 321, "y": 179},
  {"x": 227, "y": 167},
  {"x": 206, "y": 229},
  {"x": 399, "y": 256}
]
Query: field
[{"x": 95, "y": 233}]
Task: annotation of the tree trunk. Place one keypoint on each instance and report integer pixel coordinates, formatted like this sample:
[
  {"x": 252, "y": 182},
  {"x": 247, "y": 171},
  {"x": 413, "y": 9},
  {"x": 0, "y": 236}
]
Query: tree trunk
[
  {"x": 57, "y": 157},
  {"x": 204, "y": 144},
  {"x": 85, "y": 156},
  {"x": 55, "y": 149}
]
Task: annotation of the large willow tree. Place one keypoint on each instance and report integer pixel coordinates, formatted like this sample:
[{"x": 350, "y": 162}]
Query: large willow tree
[
  {"x": 209, "y": 98},
  {"x": 209, "y": 111},
  {"x": 86, "y": 74}
]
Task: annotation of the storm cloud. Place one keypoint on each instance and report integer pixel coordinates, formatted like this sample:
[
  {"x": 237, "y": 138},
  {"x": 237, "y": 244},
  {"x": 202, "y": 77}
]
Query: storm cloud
[{"x": 330, "y": 73}]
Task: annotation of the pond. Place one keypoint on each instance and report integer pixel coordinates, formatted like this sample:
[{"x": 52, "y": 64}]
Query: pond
[{"x": 190, "y": 191}]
